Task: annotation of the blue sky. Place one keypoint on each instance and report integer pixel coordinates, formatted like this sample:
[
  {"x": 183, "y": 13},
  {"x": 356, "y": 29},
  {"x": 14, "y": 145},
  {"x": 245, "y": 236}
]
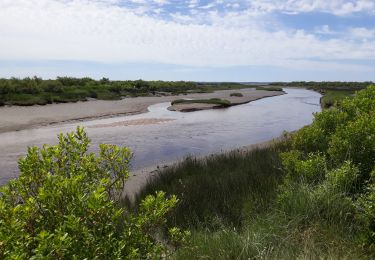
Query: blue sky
[{"x": 202, "y": 40}]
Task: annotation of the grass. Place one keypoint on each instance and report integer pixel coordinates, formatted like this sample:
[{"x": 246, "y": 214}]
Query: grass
[
  {"x": 334, "y": 97},
  {"x": 272, "y": 237},
  {"x": 231, "y": 204},
  {"x": 215, "y": 101},
  {"x": 269, "y": 88},
  {"x": 236, "y": 94},
  {"x": 214, "y": 190}
]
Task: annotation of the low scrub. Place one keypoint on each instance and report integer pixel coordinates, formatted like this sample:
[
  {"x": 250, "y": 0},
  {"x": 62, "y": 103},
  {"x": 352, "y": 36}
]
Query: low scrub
[
  {"x": 332, "y": 98},
  {"x": 30, "y": 91},
  {"x": 214, "y": 101},
  {"x": 236, "y": 94},
  {"x": 269, "y": 88}
]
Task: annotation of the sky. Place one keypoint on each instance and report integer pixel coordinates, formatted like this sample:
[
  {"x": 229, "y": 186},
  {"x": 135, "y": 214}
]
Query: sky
[{"x": 199, "y": 40}]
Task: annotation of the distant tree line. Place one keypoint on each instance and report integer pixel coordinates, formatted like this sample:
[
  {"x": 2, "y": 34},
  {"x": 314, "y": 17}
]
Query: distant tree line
[
  {"x": 326, "y": 85},
  {"x": 30, "y": 91},
  {"x": 35, "y": 90}
]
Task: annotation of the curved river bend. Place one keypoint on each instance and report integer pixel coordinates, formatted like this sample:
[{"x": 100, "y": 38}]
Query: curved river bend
[{"x": 162, "y": 136}]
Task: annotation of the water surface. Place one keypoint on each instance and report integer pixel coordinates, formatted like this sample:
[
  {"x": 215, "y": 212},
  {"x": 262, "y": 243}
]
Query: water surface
[{"x": 177, "y": 134}]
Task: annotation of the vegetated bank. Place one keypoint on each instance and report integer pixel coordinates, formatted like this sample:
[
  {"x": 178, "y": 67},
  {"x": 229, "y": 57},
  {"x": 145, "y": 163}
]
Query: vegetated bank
[
  {"x": 36, "y": 91},
  {"x": 310, "y": 196},
  {"x": 333, "y": 92},
  {"x": 231, "y": 99}
]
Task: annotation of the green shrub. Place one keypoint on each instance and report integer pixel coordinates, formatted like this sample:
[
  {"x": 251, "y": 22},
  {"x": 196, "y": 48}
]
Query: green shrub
[
  {"x": 310, "y": 170},
  {"x": 367, "y": 203},
  {"x": 215, "y": 101},
  {"x": 236, "y": 94},
  {"x": 268, "y": 88},
  {"x": 356, "y": 142},
  {"x": 64, "y": 205},
  {"x": 345, "y": 137}
]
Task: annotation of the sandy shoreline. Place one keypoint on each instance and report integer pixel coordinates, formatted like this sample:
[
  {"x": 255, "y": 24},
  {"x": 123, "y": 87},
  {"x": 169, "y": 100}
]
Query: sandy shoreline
[{"x": 17, "y": 118}]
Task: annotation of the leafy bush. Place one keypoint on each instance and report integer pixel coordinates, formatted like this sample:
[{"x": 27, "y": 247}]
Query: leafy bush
[
  {"x": 367, "y": 202},
  {"x": 337, "y": 152},
  {"x": 310, "y": 170},
  {"x": 64, "y": 205}
]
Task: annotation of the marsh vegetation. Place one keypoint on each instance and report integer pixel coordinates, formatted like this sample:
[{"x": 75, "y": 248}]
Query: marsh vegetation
[
  {"x": 36, "y": 91},
  {"x": 309, "y": 196},
  {"x": 213, "y": 101}
]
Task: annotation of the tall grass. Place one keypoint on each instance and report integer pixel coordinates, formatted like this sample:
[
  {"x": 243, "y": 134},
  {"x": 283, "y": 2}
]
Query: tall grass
[
  {"x": 213, "y": 191},
  {"x": 334, "y": 97},
  {"x": 237, "y": 206}
]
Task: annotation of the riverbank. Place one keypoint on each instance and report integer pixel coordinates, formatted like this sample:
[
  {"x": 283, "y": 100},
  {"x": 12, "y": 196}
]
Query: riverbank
[
  {"x": 138, "y": 179},
  {"x": 302, "y": 198},
  {"x": 15, "y": 118}
]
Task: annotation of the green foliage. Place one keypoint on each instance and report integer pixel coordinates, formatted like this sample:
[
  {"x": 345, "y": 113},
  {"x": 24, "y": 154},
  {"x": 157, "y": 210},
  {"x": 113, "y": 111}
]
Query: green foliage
[
  {"x": 214, "y": 190},
  {"x": 326, "y": 85},
  {"x": 64, "y": 205},
  {"x": 333, "y": 92},
  {"x": 214, "y": 101},
  {"x": 269, "y": 88},
  {"x": 334, "y": 97},
  {"x": 345, "y": 138},
  {"x": 236, "y": 94},
  {"x": 31, "y": 91},
  {"x": 308, "y": 170}
]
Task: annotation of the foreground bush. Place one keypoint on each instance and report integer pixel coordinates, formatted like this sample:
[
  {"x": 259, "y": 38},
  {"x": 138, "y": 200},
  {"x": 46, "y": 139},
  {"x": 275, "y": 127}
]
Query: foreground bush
[
  {"x": 333, "y": 163},
  {"x": 64, "y": 205}
]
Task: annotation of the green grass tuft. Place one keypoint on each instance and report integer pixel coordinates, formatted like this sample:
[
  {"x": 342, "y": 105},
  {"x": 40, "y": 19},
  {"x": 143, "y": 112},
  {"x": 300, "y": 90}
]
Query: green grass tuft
[
  {"x": 269, "y": 88},
  {"x": 215, "y": 101},
  {"x": 236, "y": 94}
]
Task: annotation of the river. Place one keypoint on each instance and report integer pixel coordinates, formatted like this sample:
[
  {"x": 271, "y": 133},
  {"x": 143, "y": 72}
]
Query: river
[{"x": 167, "y": 136}]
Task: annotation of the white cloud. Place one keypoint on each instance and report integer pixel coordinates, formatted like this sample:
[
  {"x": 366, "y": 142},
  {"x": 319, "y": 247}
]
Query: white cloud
[
  {"x": 362, "y": 33},
  {"x": 337, "y": 7},
  {"x": 102, "y": 31}
]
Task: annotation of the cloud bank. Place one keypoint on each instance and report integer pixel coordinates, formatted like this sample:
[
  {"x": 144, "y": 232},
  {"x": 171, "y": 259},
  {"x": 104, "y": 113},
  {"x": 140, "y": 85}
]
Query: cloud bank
[{"x": 193, "y": 33}]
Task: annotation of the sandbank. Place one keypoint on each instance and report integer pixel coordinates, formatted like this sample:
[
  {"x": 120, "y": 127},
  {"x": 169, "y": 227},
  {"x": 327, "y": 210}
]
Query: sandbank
[{"x": 247, "y": 97}]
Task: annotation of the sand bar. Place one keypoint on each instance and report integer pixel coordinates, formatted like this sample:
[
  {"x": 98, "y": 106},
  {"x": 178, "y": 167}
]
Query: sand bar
[{"x": 247, "y": 96}]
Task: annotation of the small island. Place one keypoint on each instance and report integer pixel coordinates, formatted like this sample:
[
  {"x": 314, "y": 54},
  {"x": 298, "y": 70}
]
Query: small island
[{"x": 225, "y": 100}]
